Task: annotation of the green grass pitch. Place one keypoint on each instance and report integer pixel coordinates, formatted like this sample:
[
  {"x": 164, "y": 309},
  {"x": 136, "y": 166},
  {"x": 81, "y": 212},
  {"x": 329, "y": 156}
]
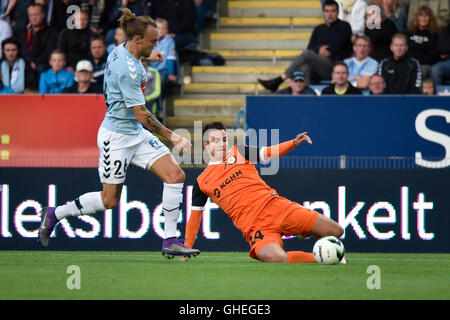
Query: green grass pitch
[{"x": 218, "y": 275}]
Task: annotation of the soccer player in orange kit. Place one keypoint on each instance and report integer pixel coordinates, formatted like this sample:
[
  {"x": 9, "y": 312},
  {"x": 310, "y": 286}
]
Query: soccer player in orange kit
[{"x": 233, "y": 183}]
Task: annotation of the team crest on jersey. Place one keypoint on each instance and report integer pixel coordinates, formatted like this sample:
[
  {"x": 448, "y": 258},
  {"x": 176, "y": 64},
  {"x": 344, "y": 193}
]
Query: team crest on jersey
[{"x": 231, "y": 160}]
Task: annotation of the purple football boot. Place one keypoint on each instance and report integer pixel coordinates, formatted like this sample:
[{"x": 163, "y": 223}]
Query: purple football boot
[
  {"x": 174, "y": 247},
  {"x": 48, "y": 223}
]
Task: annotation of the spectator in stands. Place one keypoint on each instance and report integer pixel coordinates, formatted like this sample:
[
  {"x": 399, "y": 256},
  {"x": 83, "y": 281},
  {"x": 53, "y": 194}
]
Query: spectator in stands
[
  {"x": 422, "y": 39},
  {"x": 16, "y": 71},
  {"x": 329, "y": 42},
  {"x": 440, "y": 71},
  {"x": 440, "y": 8},
  {"x": 401, "y": 73},
  {"x": 165, "y": 45},
  {"x": 180, "y": 14},
  {"x": 394, "y": 12},
  {"x": 298, "y": 85},
  {"x": 119, "y": 37},
  {"x": 75, "y": 42},
  {"x": 377, "y": 85},
  {"x": 83, "y": 74},
  {"x": 98, "y": 57},
  {"x": 108, "y": 18},
  {"x": 5, "y": 32},
  {"x": 428, "y": 87},
  {"x": 361, "y": 66},
  {"x": 380, "y": 30},
  {"x": 57, "y": 78},
  {"x": 56, "y": 13},
  {"x": 353, "y": 12},
  {"x": 202, "y": 9},
  {"x": 98, "y": 12},
  {"x": 38, "y": 40},
  {"x": 339, "y": 82}
]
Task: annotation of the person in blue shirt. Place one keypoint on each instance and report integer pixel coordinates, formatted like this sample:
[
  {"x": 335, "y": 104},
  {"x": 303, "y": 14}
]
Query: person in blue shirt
[
  {"x": 165, "y": 45},
  {"x": 166, "y": 68},
  {"x": 56, "y": 79},
  {"x": 122, "y": 140},
  {"x": 361, "y": 66}
]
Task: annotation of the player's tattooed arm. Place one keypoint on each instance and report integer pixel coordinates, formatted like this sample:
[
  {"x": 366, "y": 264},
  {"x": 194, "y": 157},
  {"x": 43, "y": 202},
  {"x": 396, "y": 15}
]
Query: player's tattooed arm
[
  {"x": 149, "y": 120},
  {"x": 152, "y": 123}
]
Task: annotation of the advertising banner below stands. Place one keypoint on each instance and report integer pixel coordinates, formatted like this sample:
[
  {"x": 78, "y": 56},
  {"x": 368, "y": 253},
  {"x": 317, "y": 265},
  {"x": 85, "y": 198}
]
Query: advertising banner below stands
[
  {"x": 50, "y": 130},
  {"x": 380, "y": 210},
  {"x": 416, "y": 127}
]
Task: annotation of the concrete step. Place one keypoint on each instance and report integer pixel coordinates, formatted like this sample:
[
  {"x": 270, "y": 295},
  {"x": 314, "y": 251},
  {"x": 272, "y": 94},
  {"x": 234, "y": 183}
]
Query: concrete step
[
  {"x": 212, "y": 96},
  {"x": 224, "y": 88},
  {"x": 274, "y": 8},
  {"x": 194, "y": 134},
  {"x": 233, "y": 74},
  {"x": 272, "y": 55},
  {"x": 269, "y": 29},
  {"x": 239, "y": 41},
  {"x": 188, "y": 122},
  {"x": 256, "y": 63},
  {"x": 207, "y": 108},
  {"x": 264, "y": 23}
]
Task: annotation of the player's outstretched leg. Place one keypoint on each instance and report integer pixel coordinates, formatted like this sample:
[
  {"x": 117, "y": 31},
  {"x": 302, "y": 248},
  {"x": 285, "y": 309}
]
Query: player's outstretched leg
[
  {"x": 88, "y": 203},
  {"x": 273, "y": 252}
]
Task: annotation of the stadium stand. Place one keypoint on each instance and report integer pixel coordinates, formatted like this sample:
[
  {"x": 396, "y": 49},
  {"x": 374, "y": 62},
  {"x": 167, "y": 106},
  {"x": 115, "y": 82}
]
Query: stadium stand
[{"x": 256, "y": 38}]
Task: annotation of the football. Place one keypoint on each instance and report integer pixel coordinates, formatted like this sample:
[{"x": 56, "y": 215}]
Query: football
[{"x": 328, "y": 250}]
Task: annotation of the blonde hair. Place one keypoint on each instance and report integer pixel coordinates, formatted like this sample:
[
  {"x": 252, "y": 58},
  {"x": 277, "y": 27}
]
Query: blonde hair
[
  {"x": 162, "y": 21},
  {"x": 134, "y": 26}
]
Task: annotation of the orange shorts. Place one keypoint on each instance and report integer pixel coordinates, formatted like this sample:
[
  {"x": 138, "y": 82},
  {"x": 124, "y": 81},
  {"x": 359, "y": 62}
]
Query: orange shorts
[{"x": 280, "y": 217}]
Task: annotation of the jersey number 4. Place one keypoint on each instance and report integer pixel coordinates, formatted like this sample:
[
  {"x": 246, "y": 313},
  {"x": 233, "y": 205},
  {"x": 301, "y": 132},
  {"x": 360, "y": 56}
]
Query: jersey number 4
[{"x": 257, "y": 236}]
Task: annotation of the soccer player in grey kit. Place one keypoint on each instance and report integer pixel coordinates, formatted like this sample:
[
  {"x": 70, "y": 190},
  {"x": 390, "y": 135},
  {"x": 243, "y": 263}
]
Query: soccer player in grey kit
[{"x": 122, "y": 140}]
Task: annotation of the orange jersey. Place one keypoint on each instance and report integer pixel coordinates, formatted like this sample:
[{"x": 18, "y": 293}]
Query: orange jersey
[{"x": 235, "y": 186}]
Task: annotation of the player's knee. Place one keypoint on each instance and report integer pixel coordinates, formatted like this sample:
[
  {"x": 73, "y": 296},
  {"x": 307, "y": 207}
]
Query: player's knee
[
  {"x": 273, "y": 256},
  {"x": 338, "y": 231},
  {"x": 177, "y": 176},
  {"x": 109, "y": 202}
]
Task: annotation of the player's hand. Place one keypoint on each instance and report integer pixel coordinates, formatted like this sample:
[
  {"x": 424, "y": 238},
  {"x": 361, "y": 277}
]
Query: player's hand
[
  {"x": 302, "y": 137},
  {"x": 155, "y": 56},
  {"x": 180, "y": 143}
]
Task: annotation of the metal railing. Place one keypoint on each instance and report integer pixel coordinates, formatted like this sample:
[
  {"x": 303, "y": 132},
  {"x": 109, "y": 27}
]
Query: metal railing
[
  {"x": 361, "y": 162},
  {"x": 284, "y": 162}
]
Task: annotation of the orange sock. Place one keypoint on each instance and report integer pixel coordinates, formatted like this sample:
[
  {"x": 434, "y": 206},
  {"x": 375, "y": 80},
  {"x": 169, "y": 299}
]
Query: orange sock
[{"x": 300, "y": 257}]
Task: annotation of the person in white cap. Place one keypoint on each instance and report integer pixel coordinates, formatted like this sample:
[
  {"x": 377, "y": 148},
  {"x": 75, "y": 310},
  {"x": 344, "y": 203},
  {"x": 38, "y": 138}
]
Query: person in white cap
[{"x": 83, "y": 73}]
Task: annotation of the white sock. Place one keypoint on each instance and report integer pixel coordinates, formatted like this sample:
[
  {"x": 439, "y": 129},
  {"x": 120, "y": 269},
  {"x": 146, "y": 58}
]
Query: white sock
[
  {"x": 88, "y": 203},
  {"x": 172, "y": 200}
]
